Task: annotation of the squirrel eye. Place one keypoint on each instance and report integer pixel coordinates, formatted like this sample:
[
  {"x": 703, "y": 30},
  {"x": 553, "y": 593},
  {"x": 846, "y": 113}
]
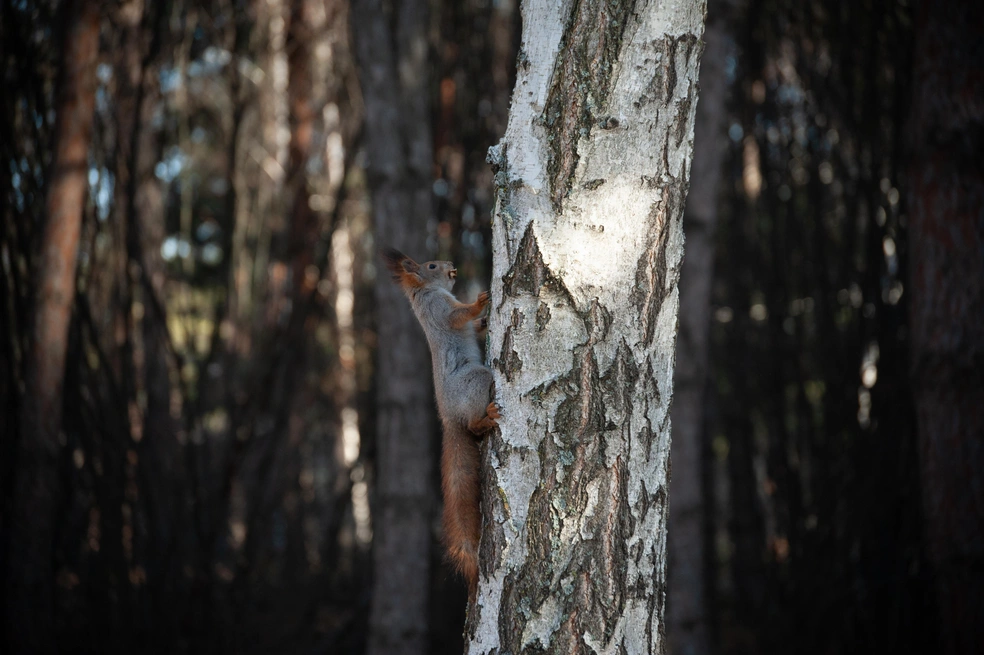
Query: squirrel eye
[{"x": 432, "y": 266}]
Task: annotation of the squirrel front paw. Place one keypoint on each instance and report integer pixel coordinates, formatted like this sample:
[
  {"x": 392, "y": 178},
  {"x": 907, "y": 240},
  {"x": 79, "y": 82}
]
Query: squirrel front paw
[
  {"x": 483, "y": 299},
  {"x": 493, "y": 411}
]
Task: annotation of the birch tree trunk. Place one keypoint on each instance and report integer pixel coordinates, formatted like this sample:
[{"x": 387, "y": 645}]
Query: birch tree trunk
[
  {"x": 391, "y": 49},
  {"x": 591, "y": 178},
  {"x": 30, "y": 581}
]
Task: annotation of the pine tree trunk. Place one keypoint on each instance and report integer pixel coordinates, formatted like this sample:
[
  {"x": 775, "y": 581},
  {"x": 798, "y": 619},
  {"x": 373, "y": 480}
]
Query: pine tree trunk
[
  {"x": 946, "y": 307},
  {"x": 29, "y": 596},
  {"x": 393, "y": 65},
  {"x": 591, "y": 179}
]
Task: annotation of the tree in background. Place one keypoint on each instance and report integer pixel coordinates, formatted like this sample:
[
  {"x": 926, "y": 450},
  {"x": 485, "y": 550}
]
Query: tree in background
[
  {"x": 31, "y": 528},
  {"x": 946, "y": 281},
  {"x": 815, "y": 502},
  {"x": 392, "y": 48},
  {"x": 591, "y": 180},
  {"x": 688, "y": 629}
]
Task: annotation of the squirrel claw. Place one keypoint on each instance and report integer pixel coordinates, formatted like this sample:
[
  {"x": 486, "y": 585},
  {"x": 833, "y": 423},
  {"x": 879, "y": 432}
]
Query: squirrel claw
[
  {"x": 483, "y": 298},
  {"x": 493, "y": 411}
]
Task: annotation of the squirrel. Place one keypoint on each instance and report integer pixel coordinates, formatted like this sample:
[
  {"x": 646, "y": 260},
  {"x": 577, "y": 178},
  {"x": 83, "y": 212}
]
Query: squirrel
[{"x": 463, "y": 386}]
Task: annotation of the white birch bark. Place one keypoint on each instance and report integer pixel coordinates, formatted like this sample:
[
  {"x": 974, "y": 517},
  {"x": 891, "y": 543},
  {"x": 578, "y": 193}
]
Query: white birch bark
[{"x": 591, "y": 182}]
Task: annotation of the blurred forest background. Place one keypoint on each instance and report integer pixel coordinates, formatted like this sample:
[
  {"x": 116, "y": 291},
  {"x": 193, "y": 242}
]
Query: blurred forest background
[{"x": 211, "y": 474}]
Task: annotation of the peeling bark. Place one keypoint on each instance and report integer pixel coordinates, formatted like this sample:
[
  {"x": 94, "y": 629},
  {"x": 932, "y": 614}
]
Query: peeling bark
[
  {"x": 591, "y": 182},
  {"x": 29, "y": 596}
]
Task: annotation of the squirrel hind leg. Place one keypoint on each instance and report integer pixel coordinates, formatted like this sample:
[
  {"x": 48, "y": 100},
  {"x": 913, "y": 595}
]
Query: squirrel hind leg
[{"x": 487, "y": 422}]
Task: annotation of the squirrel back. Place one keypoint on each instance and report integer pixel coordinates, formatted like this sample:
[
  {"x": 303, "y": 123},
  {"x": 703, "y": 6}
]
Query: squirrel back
[{"x": 463, "y": 387}]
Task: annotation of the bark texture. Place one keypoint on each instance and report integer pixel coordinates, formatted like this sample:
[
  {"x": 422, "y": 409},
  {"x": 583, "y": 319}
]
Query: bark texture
[
  {"x": 591, "y": 181},
  {"x": 392, "y": 54},
  {"x": 947, "y": 305},
  {"x": 30, "y": 565},
  {"x": 687, "y": 608}
]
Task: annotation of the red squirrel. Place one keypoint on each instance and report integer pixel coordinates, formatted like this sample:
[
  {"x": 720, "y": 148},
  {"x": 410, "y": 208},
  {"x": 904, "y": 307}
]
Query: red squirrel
[{"x": 463, "y": 386}]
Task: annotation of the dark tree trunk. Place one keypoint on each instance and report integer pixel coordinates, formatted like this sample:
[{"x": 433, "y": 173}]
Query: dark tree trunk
[
  {"x": 29, "y": 597},
  {"x": 687, "y": 622},
  {"x": 303, "y": 222},
  {"x": 391, "y": 48},
  {"x": 946, "y": 199},
  {"x": 139, "y": 209}
]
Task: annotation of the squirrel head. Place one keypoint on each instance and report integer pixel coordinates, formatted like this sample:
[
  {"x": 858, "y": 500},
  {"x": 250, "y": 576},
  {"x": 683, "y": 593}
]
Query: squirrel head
[{"x": 411, "y": 275}]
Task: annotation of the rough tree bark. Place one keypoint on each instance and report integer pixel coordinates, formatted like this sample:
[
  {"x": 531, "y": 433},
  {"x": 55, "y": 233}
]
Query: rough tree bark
[
  {"x": 591, "y": 178},
  {"x": 687, "y": 628},
  {"x": 29, "y": 597},
  {"x": 946, "y": 197},
  {"x": 391, "y": 50}
]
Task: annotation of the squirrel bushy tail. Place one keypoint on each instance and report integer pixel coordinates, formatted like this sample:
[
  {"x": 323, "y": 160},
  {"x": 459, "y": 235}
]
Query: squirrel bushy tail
[{"x": 461, "y": 488}]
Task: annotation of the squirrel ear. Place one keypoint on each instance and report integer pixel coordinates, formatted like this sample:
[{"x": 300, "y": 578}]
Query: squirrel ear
[
  {"x": 399, "y": 264},
  {"x": 394, "y": 260},
  {"x": 392, "y": 257}
]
